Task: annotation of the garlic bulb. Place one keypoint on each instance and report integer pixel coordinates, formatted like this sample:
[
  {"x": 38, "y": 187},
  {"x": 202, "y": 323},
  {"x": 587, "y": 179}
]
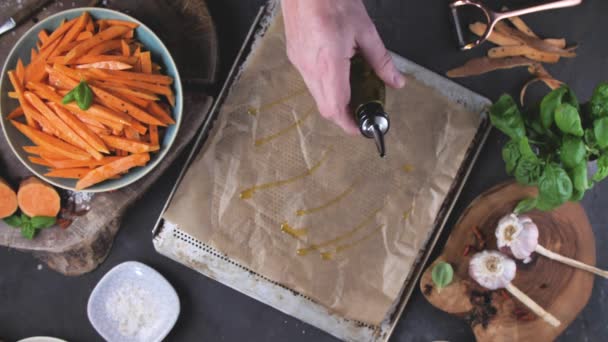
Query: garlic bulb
[
  {"x": 492, "y": 270},
  {"x": 517, "y": 236}
]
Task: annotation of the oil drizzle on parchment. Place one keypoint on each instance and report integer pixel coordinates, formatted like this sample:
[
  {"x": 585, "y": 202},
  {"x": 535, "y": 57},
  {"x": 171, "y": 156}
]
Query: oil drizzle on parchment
[
  {"x": 329, "y": 255},
  {"x": 254, "y": 111},
  {"x": 248, "y": 193},
  {"x": 266, "y": 139},
  {"x": 296, "y": 233},
  {"x": 348, "y": 234},
  {"x": 327, "y": 204}
]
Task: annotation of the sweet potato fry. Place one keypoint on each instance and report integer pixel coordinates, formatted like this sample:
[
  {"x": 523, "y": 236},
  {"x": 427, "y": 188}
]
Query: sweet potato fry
[
  {"x": 112, "y": 169},
  {"x": 121, "y": 89},
  {"x": 58, "y": 33},
  {"x": 103, "y": 36},
  {"x": 87, "y": 59},
  {"x": 33, "y": 54},
  {"x": 154, "y": 139},
  {"x": 37, "y": 198},
  {"x": 69, "y": 163},
  {"x": 41, "y": 152},
  {"x": 35, "y": 71},
  {"x": 128, "y": 145},
  {"x": 20, "y": 71},
  {"x": 114, "y": 22},
  {"x": 160, "y": 113},
  {"x": 126, "y": 51},
  {"x": 109, "y": 65},
  {"x": 39, "y": 161},
  {"x": 72, "y": 173},
  {"x": 482, "y": 65},
  {"x": 84, "y": 35},
  {"x": 43, "y": 36},
  {"x": 65, "y": 132},
  {"x": 90, "y": 26},
  {"x": 51, "y": 143},
  {"x": 138, "y": 76},
  {"x": 17, "y": 85},
  {"x": 8, "y": 205},
  {"x": 146, "y": 62},
  {"x": 17, "y": 112},
  {"x": 13, "y": 95},
  {"x": 129, "y": 98},
  {"x": 80, "y": 128},
  {"x": 72, "y": 33}
]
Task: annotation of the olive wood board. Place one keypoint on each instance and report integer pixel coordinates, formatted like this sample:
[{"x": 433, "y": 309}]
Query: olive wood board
[{"x": 561, "y": 290}]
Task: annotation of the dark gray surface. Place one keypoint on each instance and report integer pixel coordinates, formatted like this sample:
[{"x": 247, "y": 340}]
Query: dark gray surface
[{"x": 34, "y": 302}]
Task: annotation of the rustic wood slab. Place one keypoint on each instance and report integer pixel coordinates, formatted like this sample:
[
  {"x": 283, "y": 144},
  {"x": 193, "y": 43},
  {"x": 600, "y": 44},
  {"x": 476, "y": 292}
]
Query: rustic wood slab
[
  {"x": 87, "y": 241},
  {"x": 561, "y": 290}
]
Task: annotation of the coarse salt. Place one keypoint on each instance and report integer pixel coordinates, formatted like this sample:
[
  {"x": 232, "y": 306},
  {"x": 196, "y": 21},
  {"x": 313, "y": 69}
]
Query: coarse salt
[{"x": 130, "y": 307}]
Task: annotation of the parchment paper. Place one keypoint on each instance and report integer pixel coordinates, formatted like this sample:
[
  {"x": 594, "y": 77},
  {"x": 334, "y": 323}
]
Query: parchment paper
[{"x": 378, "y": 212}]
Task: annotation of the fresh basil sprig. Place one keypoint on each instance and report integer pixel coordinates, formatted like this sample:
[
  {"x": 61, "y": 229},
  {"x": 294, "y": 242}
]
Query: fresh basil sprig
[
  {"x": 30, "y": 225},
  {"x": 82, "y": 94},
  {"x": 442, "y": 274},
  {"x": 551, "y": 149}
]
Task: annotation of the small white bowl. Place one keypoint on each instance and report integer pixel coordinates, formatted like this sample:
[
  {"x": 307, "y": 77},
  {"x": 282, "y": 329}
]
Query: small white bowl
[{"x": 143, "y": 285}]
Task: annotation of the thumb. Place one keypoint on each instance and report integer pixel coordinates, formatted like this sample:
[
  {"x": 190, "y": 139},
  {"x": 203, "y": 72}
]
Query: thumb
[{"x": 375, "y": 53}]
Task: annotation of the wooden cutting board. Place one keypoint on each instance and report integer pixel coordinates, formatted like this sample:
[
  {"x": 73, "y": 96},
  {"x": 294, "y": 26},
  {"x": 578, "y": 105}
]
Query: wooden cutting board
[
  {"x": 185, "y": 26},
  {"x": 561, "y": 290}
]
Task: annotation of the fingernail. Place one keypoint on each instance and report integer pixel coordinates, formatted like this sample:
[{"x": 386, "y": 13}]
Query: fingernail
[{"x": 399, "y": 80}]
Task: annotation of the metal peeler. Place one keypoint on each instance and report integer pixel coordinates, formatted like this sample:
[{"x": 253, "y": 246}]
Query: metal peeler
[{"x": 493, "y": 18}]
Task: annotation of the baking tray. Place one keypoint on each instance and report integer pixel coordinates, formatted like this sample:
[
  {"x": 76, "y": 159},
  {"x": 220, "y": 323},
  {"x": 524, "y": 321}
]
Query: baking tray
[{"x": 170, "y": 241}]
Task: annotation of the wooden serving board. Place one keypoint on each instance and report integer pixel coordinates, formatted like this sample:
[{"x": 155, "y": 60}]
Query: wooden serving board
[
  {"x": 561, "y": 290},
  {"x": 87, "y": 241}
]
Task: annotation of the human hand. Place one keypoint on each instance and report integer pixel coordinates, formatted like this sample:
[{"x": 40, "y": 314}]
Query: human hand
[{"x": 322, "y": 37}]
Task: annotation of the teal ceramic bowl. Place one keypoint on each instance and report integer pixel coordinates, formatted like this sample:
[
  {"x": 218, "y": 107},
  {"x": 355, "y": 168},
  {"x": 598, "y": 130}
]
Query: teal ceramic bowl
[{"x": 160, "y": 55}]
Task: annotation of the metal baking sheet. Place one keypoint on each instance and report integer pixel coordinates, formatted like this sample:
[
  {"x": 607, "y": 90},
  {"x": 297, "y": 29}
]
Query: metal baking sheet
[{"x": 180, "y": 246}]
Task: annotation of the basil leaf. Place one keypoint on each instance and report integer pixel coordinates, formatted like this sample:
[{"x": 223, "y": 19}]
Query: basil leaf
[
  {"x": 528, "y": 170},
  {"x": 25, "y": 218},
  {"x": 590, "y": 138},
  {"x": 599, "y": 101},
  {"x": 602, "y": 169},
  {"x": 79, "y": 92},
  {"x": 526, "y": 205},
  {"x": 505, "y": 116},
  {"x": 580, "y": 181},
  {"x": 549, "y": 104},
  {"x": 554, "y": 187},
  {"x": 568, "y": 120},
  {"x": 600, "y": 129},
  {"x": 28, "y": 231},
  {"x": 86, "y": 99},
  {"x": 442, "y": 274},
  {"x": 13, "y": 221},
  {"x": 69, "y": 97},
  {"x": 40, "y": 222},
  {"x": 511, "y": 155},
  {"x": 572, "y": 152},
  {"x": 525, "y": 149}
]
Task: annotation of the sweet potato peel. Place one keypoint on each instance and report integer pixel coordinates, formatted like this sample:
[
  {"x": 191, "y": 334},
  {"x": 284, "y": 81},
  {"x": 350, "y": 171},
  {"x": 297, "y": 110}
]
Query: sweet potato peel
[
  {"x": 105, "y": 132},
  {"x": 482, "y": 65}
]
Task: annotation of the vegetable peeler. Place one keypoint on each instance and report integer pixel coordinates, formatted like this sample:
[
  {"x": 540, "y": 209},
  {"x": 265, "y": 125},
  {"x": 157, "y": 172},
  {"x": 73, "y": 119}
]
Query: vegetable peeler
[{"x": 492, "y": 17}]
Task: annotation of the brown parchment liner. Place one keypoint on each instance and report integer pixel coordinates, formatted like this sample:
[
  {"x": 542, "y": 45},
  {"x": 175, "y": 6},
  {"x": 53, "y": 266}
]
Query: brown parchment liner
[{"x": 379, "y": 225}]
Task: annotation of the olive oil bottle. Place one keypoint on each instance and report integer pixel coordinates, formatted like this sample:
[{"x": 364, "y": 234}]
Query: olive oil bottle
[{"x": 368, "y": 94}]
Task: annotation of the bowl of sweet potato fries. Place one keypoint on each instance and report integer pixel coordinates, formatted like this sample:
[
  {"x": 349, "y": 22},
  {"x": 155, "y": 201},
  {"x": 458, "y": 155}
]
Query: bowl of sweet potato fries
[{"x": 90, "y": 100}]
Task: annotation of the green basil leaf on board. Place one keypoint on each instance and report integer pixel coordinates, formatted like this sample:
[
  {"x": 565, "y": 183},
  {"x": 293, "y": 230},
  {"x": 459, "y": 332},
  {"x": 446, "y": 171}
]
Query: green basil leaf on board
[
  {"x": 528, "y": 170},
  {"x": 13, "y": 221},
  {"x": 602, "y": 169},
  {"x": 505, "y": 116},
  {"x": 572, "y": 152},
  {"x": 28, "y": 231},
  {"x": 40, "y": 222},
  {"x": 511, "y": 155},
  {"x": 568, "y": 120},
  {"x": 580, "y": 181},
  {"x": 600, "y": 130},
  {"x": 554, "y": 188},
  {"x": 442, "y": 274},
  {"x": 599, "y": 101},
  {"x": 525, "y": 205}
]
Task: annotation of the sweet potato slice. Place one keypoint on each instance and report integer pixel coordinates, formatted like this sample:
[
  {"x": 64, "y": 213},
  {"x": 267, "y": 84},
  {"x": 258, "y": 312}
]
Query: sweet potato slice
[
  {"x": 20, "y": 71},
  {"x": 44, "y": 153},
  {"x": 58, "y": 33},
  {"x": 17, "y": 112},
  {"x": 37, "y": 198},
  {"x": 72, "y": 33},
  {"x": 70, "y": 164},
  {"x": 80, "y": 128},
  {"x": 84, "y": 36},
  {"x": 39, "y": 161},
  {"x": 112, "y": 169},
  {"x": 160, "y": 113},
  {"x": 115, "y": 22},
  {"x": 51, "y": 143},
  {"x": 8, "y": 204},
  {"x": 129, "y": 145}
]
